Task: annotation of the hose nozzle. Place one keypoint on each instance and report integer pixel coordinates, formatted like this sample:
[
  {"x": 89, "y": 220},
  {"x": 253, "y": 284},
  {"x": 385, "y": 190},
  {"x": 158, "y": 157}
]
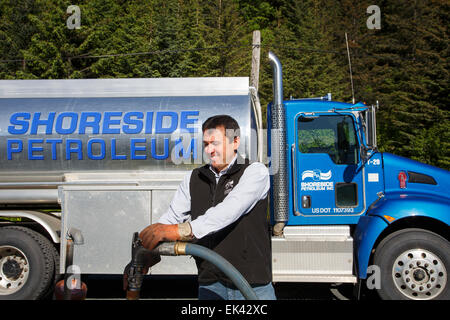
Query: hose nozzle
[{"x": 141, "y": 260}]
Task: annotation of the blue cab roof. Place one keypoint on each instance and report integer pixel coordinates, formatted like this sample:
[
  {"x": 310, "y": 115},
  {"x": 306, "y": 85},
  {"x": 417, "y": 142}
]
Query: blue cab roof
[{"x": 316, "y": 105}]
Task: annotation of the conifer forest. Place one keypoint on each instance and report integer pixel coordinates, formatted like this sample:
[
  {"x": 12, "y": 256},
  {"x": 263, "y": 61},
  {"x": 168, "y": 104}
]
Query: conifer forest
[{"x": 398, "y": 52}]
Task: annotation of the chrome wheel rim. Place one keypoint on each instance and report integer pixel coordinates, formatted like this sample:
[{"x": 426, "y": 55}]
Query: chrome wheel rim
[
  {"x": 14, "y": 270},
  {"x": 419, "y": 274}
]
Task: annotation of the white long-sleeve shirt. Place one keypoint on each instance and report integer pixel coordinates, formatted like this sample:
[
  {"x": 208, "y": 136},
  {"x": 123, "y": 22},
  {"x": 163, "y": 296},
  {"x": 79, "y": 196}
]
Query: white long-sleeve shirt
[{"x": 253, "y": 186}]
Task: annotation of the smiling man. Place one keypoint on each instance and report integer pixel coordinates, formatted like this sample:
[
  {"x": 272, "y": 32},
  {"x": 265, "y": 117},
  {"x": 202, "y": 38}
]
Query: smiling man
[{"x": 222, "y": 206}]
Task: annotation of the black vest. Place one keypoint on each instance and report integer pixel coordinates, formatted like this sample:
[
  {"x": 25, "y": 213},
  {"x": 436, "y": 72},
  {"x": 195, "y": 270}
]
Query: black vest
[{"x": 246, "y": 243}]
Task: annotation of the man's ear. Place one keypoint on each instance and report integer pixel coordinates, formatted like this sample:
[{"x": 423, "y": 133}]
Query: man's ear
[{"x": 236, "y": 143}]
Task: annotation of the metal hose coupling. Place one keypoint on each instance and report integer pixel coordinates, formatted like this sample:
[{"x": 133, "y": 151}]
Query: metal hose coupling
[
  {"x": 180, "y": 248},
  {"x": 171, "y": 249}
]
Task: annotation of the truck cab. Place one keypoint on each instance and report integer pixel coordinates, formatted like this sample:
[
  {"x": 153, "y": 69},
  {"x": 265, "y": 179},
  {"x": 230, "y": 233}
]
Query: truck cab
[
  {"x": 344, "y": 212},
  {"x": 328, "y": 166}
]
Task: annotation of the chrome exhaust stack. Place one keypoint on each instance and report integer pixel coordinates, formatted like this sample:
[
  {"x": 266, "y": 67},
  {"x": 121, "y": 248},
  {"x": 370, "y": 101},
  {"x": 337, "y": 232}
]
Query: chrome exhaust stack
[{"x": 278, "y": 152}]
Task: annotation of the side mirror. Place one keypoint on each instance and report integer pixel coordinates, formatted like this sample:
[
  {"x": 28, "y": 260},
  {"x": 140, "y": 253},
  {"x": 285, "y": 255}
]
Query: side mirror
[{"x": 371, "y": 128}]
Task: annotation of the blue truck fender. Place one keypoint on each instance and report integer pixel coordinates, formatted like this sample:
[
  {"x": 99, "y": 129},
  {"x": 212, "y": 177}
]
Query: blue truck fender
[
  {"x": 366, "y": 234},
  {"x": 390, "y": 210}
]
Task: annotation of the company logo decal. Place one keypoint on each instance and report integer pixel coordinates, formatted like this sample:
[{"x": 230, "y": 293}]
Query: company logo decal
[
  {"x": 320, "y": 181},
  {"x": 316, "y": 175}
]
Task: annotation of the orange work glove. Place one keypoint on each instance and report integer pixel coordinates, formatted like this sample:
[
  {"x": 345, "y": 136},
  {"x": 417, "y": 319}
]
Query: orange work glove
[{"x": 158, "y": 232}]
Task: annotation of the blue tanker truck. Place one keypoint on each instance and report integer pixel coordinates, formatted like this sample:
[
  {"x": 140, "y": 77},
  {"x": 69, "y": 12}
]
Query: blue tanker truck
[{"x": 105, "y": 156}]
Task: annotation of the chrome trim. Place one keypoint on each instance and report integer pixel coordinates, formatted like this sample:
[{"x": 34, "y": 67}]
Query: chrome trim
[
  {"x": 279, "y": 145},
  {"x": 294, "y": 178},
  {"x": 126, "y": 87},
  {"x": 277, "y": 79}
]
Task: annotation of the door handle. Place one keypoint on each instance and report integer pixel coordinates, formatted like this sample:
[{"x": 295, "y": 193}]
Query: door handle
[{"x": 306, "y": 202}]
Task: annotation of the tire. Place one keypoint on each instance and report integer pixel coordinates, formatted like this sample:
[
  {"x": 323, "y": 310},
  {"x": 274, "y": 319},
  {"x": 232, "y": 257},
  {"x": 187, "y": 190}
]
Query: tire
[
  {"x": 27, "y": 264},
  {"x": 49, "y": 294},
  {"x": 414, "y": 265}
]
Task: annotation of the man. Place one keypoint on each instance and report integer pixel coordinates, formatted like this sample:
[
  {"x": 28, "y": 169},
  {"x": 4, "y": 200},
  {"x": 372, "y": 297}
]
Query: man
[{"x": 222, "y": 206}]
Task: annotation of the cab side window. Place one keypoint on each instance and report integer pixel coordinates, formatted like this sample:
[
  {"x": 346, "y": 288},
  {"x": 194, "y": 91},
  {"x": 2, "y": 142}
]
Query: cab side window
[{"x": 333, "y": 135}]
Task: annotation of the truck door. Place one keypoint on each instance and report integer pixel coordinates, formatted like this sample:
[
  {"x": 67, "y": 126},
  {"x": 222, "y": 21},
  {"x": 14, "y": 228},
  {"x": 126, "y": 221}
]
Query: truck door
[{"x": 328, "y": 176}]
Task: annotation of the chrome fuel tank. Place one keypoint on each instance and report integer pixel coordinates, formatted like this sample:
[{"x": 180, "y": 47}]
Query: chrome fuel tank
[{"x": 52, "y": 128}]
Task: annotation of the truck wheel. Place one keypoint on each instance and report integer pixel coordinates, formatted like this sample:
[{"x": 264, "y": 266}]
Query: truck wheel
[
  {"x": 414, "y": 264},
  {"x": 48, "y": 294},
  {"x": 26, "y": 264}
]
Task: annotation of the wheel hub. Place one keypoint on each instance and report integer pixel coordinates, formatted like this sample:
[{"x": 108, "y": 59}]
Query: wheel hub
[
  {"x": 14, "y": 270},
  {"x": 419, "y": 274}
]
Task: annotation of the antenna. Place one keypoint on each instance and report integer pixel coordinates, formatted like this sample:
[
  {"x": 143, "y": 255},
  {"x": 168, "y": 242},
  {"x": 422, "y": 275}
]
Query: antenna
[{"x": 350, "y": 68}]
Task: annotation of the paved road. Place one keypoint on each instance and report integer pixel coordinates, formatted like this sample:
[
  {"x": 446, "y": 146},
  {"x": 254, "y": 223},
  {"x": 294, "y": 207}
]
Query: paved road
[{"x": 110, "y": 287}]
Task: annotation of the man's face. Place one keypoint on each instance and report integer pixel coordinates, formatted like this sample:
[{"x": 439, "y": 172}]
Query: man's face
[{"x": 218, "y": 147}]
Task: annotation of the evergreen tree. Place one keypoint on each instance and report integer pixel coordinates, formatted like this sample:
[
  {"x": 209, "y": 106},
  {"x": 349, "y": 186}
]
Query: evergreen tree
[
  {"x": 116, "y": 31},
  {"x": 313, "y": 70},
  {"x": 16, "y": 31},
  {"x": 404, "y": 65},
  {"x": 408, "y": 68},
  {"x": 225, "y": 29}
]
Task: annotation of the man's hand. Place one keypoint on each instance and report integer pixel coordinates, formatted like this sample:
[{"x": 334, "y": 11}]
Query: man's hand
[{"x": 158, "y": 232}]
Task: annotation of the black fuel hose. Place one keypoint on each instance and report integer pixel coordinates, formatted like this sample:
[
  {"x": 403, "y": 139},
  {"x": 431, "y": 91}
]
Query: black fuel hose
[{"x": 185, "y": 248}]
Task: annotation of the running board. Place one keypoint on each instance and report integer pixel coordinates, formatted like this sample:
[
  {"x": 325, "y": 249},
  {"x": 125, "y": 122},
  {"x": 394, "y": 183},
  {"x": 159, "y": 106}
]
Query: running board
[{"x": 313, "y": 254}]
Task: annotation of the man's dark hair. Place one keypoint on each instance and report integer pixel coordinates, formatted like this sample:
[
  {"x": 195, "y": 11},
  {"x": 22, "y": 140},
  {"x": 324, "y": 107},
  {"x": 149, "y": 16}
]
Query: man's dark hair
[{"x": 230, "y": 125}]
